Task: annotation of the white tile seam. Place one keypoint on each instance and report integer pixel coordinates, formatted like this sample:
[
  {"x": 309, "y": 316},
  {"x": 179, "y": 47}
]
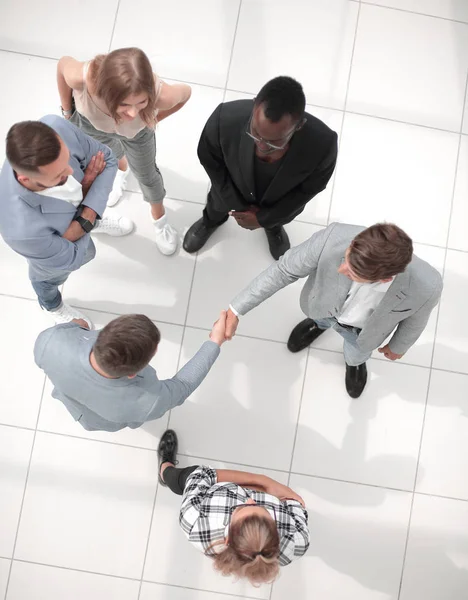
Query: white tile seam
[
  {"x": 335, "y": 174},
  {"x": 412, "y": 12},
  {"x": 312, "y": 104},
  {"x": 247, "y": 466},
  {"x": 114, "y": 25},
  {"x": 134, "y": 579},
  {"x": 433, "y": 350},
  {"x": 24, "y": 491}
]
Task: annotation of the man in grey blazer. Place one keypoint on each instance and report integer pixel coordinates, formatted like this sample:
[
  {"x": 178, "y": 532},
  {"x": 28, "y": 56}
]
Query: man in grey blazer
[
  {"x": 54, "y": 188},
  {"x": 103, "y": 377},
  {"x": 364, "y": 283}
]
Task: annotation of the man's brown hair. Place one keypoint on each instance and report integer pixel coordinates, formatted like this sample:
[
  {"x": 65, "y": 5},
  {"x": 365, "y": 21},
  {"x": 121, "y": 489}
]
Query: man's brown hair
[
  {"x": 30, "y": 145},
  {"x": 126, "y": 345},
  {"x": 121, "y": 73},
  {"x": 380, "y": 252}
]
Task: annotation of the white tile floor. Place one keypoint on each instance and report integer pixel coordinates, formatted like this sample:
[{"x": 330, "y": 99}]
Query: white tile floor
[{"x": 81, "y": 515}]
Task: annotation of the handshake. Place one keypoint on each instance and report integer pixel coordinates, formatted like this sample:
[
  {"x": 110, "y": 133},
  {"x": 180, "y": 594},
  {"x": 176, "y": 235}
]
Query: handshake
[{"x": 224, "y": 328}]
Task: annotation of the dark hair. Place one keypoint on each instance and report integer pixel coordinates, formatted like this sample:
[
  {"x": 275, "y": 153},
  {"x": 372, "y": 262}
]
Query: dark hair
[
  {"x": 282, "y": 96},
  {"x": 30, "y": 145},
  {"x": 126, "y": 345},
  {"x": 252, "y": 551},
  {"x": 380, "y": 252}
]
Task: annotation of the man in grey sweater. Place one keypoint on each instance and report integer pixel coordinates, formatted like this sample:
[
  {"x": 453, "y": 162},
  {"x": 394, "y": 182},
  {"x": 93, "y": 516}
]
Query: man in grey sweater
[
  {"x": 103, "y": 377},
  {"x": 363, "y": 283}
]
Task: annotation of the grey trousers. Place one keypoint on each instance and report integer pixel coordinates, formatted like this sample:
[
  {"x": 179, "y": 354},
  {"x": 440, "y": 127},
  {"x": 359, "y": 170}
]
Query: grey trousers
[{"x": 140, "y": 152}]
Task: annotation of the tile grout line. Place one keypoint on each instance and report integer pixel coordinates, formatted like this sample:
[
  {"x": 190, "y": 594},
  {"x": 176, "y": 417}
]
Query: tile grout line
[
  {"x": 125, "y": 578},
  {"x": 24, "y": 490},
  {"x": 113, "y": 27},
  {"x": 28, "y": 54},
  {"x": 240, "y": 335},
  {"x": 293, "y": 449},
  {"x": 230, "y": 462},
  {"x": 227, "y": 594},
  {"x": 187, "y": 311},
  {"x": 248, "y": 466},
  {"x": 323, "y": 225},
  {"x": 196, "y": 257},
  {"x": 421, "y": 437},
  {"x": 298, "y": 416},
  {"x": 460, "y": 134},
  {"x": 168, "y": 423},
  {"x": 433, "y": 348},
  {"x": 185, "y": 324},
  {"x": 335, "y": 174},
  {"x": 412, "y": 12},
  {"x": 143, "y": 567},
  {"x": 232, "y": 48},
  {"x": 312, "y": 104}
]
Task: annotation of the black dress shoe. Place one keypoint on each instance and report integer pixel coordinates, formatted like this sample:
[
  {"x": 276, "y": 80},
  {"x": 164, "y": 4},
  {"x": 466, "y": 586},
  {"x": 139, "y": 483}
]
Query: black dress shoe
[
  {"x": 278, "y": 241},
  {"x": 167, "y": 451},
  {"x": 197, "y": 236},
  {"x": 356, "y": 379},
  {"x": 303, "y": 335}
]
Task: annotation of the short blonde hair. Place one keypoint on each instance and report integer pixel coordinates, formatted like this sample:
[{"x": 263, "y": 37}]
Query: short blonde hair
[
  {"x": 119, "y": 74},
  {"x": 252, "y": 551}
]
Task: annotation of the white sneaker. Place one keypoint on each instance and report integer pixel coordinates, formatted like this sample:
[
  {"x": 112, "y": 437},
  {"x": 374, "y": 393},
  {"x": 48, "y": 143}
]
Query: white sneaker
[
  {"x": 66, "y": 313},
  {"x": 167, "y": 237},
  {"x": 118, "y": 187},
  {"x": 114, "y": 224}
]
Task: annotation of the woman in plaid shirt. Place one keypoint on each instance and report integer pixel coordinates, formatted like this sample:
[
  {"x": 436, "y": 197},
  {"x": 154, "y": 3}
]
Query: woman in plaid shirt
[{"x": 249, "y": 524}]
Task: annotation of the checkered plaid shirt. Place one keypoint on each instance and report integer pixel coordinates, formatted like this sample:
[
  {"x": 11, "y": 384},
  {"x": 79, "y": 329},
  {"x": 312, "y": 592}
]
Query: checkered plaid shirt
[{"x": 207, "y": 507}]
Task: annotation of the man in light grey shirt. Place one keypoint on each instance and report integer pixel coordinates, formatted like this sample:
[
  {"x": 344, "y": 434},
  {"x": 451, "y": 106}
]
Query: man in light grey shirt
[
  {"x": 364, "y": 283},
  {"x": 104, "y": 379}
]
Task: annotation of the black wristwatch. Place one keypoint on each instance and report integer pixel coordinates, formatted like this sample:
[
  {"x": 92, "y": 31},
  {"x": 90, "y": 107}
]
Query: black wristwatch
[{"x": 85, "y": 224}]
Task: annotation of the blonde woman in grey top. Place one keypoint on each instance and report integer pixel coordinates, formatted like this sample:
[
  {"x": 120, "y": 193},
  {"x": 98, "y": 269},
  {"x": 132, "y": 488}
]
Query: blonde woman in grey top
[{"x": 118, "y": 100}]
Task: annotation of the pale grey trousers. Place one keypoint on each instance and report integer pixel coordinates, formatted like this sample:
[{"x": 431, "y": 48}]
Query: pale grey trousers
[
  {"x": 140, "y": 152},
  {"x": 353, "y": 355}
]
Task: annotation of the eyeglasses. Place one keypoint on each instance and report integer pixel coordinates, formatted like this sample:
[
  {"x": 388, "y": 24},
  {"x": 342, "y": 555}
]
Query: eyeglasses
[{"x": 271, "y": 146}]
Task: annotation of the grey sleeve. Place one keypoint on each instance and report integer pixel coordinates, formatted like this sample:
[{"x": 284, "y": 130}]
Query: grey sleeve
[
  {"x": 409, "y": 330},
  {"x": 40, "y": 346},
  {"x": 298, "y": 262},
  {"x": 44, "y": 338},
  {"x": 173, "y": 392},
  {"x": 52, "y": 252}
]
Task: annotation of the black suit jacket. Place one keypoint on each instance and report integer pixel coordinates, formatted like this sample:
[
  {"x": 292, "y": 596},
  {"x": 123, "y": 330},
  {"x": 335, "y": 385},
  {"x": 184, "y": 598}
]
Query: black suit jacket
[{"x": 227, "y": 154}]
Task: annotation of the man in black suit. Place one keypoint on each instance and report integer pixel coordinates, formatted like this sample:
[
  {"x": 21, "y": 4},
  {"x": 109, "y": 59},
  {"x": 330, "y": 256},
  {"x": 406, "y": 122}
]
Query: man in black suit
[{"x": 266, "y": 159}]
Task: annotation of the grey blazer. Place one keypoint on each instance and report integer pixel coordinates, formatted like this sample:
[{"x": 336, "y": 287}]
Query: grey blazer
[
  {"x": 33, "y": 225},
  {"x": 406, "y": 306}
]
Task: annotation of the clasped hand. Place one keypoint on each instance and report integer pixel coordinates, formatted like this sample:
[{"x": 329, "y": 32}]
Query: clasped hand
[
  {"x": 224, "y": 328},
  {"x": 95, "y": 167},
  {"x": 247, "y": 218}
]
